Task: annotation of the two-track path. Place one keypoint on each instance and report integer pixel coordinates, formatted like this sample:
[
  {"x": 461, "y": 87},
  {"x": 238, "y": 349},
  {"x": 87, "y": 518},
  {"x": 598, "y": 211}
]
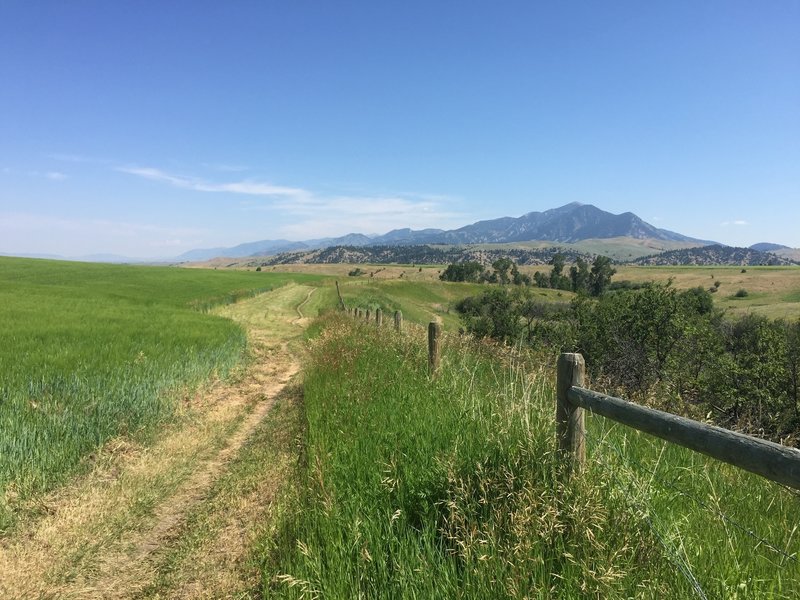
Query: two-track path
[{"x": 130, "y": 527}]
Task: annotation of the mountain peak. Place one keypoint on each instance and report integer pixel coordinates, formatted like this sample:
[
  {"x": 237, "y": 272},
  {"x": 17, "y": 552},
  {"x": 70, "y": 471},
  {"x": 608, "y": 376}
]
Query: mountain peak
[{"x": 570, "y": 223}]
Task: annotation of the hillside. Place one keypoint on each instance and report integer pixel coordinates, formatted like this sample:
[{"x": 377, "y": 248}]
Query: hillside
[
  {"x": 768, "y": 247},
  {"x": 417, "y": 254},
  {"x": 714, "y": 255}
]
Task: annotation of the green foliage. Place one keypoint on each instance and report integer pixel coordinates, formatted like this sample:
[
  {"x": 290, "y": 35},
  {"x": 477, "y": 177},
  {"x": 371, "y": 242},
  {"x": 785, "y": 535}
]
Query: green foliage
[
  {"x": 580, "y": 280},
  {"x": 634, "y": 337},
  {"x": 745, "y": 370},
  {"x": 90, "y": 351},
  {"x": 558, "y": 281},
  {"x": 356, "y": 272},
  {"x": 579, "y": 276},
  {"x": 466, "y": 271},
  {"x": 655, "y": 339},
  {"x": 492, "y": 314},
  {"x": 741, "y": 293},
  {"x": 600, "y": 276}
]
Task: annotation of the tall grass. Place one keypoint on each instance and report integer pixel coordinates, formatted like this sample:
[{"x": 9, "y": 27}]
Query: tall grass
[
  {"x": 89, "y": 352},
  {"x": 412, "y": 487}
]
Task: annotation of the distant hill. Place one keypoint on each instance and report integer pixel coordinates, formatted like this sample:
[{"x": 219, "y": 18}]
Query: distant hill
[
  {"x": 768, "y": 247},
  {"x": 272, "y": 247},
  {"x": 414, "y": 254},
  {"x": 570, "y": 223},
  {"x": 714, "y": 255}
]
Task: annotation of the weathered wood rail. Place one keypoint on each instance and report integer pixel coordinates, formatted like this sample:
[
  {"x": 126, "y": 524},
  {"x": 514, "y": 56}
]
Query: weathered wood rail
[{"x": 768, "y": 459}]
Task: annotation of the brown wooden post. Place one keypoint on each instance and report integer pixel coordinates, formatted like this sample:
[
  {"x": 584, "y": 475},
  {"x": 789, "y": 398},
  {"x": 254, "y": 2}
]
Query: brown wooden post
[
  {"x": 367, "y": 315},
  {"x": 341, "y": 300},
  {"x": 434, "y": 347},
  {"x": 398, "y": 321},
  {"x": 378, "y": 317},
  {"x": 570, "y": 424}
]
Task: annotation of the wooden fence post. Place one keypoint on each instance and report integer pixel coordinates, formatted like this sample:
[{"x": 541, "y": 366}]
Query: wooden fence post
[
  {"x": 570, "y": 424},
  {"x": 341, "y": 300},
  {"x": 398, "y": 321},
  {"x": 378, "y": 317},
  {"x": 434, "y": 347},
  {"x": 367, "y": 315}
]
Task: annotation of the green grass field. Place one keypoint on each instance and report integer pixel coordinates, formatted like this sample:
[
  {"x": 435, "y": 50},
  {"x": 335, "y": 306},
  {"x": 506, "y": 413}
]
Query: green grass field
[
  {"x": 421, "y": 301},
  {"x": 448, "y": 488},
  {"x": 91, "y": 351}
]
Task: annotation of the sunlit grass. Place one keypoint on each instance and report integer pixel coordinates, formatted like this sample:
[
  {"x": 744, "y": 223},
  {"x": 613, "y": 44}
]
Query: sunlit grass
[
  {"x": 89, "y": 352},
  {"x": 450, "y": 487}
]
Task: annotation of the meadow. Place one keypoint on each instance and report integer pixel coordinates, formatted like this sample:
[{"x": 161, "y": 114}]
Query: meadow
[
  {"x": 404, "y": 485},
  {"x": 90, "y": 352},
  {"x": 773, "y": 292},
  {"x": 412, "y": 486}
]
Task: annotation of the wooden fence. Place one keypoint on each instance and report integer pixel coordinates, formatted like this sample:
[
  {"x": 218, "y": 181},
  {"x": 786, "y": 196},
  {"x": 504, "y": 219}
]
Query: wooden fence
[
  {"x": 773, "y": 461},
  {"x": 770, "y": 460}
]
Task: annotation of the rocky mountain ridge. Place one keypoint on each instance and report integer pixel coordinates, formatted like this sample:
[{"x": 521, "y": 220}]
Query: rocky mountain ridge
[{"x": 567, "y": 224}]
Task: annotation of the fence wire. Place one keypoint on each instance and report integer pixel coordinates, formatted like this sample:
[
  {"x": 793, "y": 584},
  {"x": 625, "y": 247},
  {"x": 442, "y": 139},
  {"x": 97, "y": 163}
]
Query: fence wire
[
  {"x": 702, "y": 503},
  {"x": 671, "y": 552}
]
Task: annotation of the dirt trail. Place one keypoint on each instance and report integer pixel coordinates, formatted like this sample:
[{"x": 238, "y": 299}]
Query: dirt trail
[
  {"x": 106, "y": 534},
  {"x": 302, "y": 320}
]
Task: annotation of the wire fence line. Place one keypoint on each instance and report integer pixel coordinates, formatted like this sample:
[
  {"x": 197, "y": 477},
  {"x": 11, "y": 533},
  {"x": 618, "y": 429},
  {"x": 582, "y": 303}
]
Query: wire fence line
[
  {"x": 632, "y": 462},
  {"x": 674, "y": 556}
]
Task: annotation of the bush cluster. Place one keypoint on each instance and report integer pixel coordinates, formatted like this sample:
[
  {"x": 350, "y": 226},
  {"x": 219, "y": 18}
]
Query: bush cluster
[{"x": 662, "y": 345}]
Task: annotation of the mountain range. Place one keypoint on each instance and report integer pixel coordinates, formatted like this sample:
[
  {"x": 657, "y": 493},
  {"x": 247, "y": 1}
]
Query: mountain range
[{"x": 567, "y": 224}]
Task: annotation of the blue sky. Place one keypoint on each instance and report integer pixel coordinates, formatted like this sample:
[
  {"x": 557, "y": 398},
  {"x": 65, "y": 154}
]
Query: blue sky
[{"x": 150, "y": 128}]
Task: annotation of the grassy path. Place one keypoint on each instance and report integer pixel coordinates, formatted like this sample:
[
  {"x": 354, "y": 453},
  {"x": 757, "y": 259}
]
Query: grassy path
[{"x": 177, "y": 518}]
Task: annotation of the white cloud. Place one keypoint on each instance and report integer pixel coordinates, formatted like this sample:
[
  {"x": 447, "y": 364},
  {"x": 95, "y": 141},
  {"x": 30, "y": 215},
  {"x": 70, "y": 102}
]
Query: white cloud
[
  {"x": 310, "y": 214},
  {"x": 738, "y": 222},
  {"x": 248, "y": 187},
  {"x": 55, "y": 175},
  {"x": 323, "y": 217}
]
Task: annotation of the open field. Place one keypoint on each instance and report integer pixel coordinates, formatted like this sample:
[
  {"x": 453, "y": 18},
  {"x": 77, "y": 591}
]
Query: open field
[
  {"x": 89, "y": 352},
  {"x": 180, "y": 513},
  {"x": 405, "y": 485},
  {"x": 422, "y": 301},
  {"x": 771, "y": 291}
]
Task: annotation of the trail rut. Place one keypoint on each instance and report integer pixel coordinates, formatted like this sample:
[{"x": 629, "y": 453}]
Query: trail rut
[{"x": 103, "y": 535}]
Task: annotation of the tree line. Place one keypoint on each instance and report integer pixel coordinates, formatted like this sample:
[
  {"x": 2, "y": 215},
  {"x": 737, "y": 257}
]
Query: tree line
[{"x": 580, "y": 278}]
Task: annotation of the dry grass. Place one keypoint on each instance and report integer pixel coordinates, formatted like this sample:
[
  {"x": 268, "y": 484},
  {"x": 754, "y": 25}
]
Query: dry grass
[{"x": 772, "y": 291}]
